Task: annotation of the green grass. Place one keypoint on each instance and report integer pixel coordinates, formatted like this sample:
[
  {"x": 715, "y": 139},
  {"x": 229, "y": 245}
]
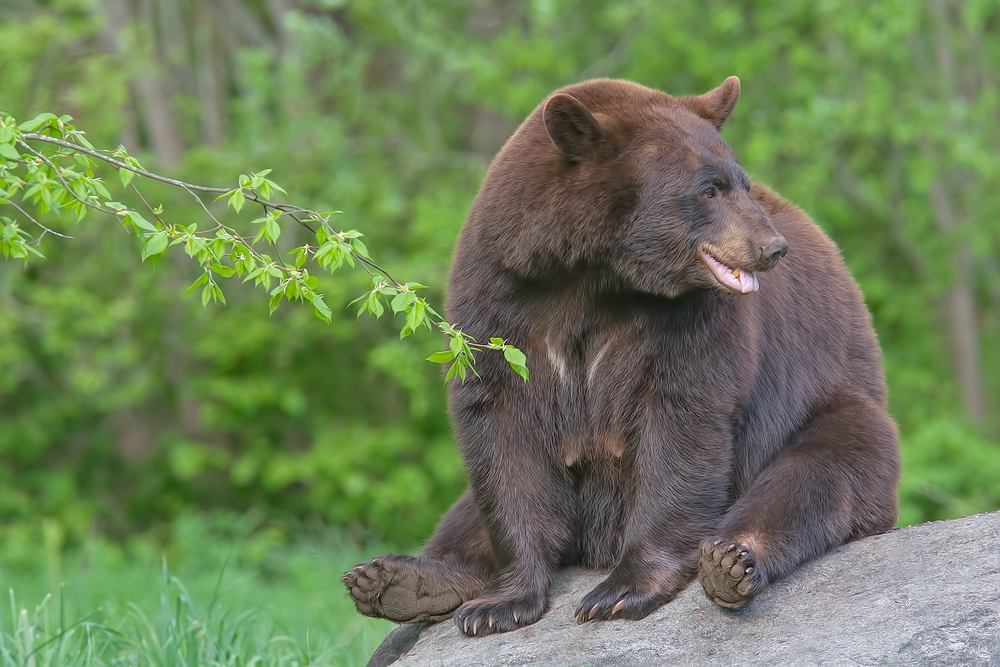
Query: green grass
[{"x": 263, "y": 598}]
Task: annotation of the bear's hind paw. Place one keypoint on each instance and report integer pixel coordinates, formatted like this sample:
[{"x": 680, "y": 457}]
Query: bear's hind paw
[{"x": 392, "y": 587}]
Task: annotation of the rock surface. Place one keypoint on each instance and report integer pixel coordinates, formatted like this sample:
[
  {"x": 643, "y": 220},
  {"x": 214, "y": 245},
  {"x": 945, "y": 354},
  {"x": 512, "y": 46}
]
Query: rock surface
[{"x": 925, "y": 595}]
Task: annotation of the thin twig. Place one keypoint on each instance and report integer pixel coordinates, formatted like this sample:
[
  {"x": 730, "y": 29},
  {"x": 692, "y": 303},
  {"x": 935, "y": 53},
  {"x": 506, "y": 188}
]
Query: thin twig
[
  {"x": 365, "y": 261},
  {"x": 45, "y": 230},
  {"x": 143, "y": 200},
  {"x": 219, "y": 225},
  {"x": 121, "y": 165},
  {"x": 278, "y": 254},
  {"x": 59, "y": 175}
]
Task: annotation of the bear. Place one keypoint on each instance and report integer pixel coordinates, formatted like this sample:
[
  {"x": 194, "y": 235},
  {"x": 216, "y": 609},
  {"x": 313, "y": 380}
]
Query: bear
[{"x": 700, "y": 404}]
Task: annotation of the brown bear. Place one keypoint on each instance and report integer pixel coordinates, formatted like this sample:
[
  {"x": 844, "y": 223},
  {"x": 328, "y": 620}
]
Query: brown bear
[{"x": 696, "y": 406}]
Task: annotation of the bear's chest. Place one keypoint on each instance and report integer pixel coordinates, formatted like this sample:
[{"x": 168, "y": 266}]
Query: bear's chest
[{"x": 607, "y": 385}]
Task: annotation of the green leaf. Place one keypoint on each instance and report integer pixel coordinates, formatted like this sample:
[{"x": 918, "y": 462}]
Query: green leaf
[
  {"x": 375, "y": 306},
  {"x": 453, "y": 371},
  {"x": 236, "y": 200},
  {"x": 8, "y": 151},
  {"x": 155, "y": 244},
  {"x": 441, "y": 357},
  {"x": 223, "y": 270},
  {"x": 320, "y": 309},
  {"x": 359, "y": 247},
  {"x": 514, "y": 356},
  {"x": 272, "y": 229},
  {"x": 275, "y": 186},
  {"x": 196, "y": 284},
  {"x": 416, "y": 315},
  {"x": 402, "y": 301},
  {"x": 126, "y": 176},
  {"x": 456, "y": 344},
  {"x": 274, "y": 302},
  {"x": 99, "y": 188},
  {"x": 365, "y": 299},
  {"x": 253, "y": 273},
  {"x": 36, "y": 122},
  {"x": 140, "y": 221}
]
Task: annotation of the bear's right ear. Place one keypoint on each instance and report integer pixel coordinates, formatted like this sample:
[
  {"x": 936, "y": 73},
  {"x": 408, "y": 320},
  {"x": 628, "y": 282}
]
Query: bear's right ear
[
  {"x": 571, "y": 127},
  {"x": 715, "y": 105}
]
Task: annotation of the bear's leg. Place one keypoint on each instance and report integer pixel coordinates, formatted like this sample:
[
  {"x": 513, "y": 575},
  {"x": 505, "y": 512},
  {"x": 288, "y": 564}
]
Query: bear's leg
[
  {"x": 526, "y": 497},
  {"x": 454, "y": 567},
  {"x": 678, "y": 475},
  {"x": 836, "y": 482}
]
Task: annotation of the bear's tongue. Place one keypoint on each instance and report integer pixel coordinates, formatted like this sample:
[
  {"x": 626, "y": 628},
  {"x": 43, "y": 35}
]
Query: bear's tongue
[{"x": 735, "y": 279}]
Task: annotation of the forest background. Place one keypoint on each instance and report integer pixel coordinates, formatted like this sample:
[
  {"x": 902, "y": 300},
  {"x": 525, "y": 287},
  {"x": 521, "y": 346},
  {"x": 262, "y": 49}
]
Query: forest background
[{"x": 134, "y": 421}]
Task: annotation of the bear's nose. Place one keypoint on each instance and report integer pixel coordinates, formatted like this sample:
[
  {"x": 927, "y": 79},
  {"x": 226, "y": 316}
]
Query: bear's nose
[{"x": 773, "y": 250}]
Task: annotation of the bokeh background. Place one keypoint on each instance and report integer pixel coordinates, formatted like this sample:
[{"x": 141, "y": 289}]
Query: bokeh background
[{"x": 134, "y": 419}]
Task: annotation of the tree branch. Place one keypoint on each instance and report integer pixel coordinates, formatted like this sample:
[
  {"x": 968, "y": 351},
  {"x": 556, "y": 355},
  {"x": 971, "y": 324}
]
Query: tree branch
[{"x": 45, "y": 230}]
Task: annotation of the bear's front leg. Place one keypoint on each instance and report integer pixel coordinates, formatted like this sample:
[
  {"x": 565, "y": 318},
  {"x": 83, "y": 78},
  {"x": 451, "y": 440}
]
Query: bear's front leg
[
  {"x": 677, "y": 498},
  {"x": 526, "y": 499},
  {"x": 637, "y": 587}
]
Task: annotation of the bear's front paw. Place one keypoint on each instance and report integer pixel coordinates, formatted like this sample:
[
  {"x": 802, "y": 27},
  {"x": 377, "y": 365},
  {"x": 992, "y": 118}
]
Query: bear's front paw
[
  {"x": 392, "y": 587},
  {"x": 729, "y": 574},
  {"x": 611, "y": 599},
  {"x": 487, "y": 615}
]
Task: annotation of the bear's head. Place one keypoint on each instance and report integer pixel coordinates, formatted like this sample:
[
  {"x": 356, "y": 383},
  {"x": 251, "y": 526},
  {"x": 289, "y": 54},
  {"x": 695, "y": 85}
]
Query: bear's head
[{"x": 635, "y": 182}]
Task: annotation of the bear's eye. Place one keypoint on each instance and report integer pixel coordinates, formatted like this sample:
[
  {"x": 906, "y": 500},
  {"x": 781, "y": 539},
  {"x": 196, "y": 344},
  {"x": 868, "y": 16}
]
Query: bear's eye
[{"x": 710, "y": 192}]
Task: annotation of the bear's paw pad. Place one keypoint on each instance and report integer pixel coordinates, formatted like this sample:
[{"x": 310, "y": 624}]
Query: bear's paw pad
[
  {"x": 392, "y": 587},
  {"x": 728, "y": 572}
]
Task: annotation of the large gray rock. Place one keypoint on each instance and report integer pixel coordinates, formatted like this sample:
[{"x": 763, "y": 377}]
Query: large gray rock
[{"x": 925, "y": 595}]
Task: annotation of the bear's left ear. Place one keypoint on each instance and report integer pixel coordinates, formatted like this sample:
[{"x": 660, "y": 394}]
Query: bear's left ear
[
  {"x": 715, "y": 105},
  {"x": 571, "y": 126}
]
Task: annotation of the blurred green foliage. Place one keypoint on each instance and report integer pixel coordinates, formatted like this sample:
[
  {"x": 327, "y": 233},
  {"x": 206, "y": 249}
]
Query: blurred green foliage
[{"x": 124, "y": 404}]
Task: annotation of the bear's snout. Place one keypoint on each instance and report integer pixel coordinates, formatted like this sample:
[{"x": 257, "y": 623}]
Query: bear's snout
[{"x": 772, "y": 251}]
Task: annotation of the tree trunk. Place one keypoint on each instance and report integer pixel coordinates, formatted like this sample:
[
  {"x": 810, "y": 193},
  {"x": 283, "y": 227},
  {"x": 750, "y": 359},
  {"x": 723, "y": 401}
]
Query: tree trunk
[
  {"x": 210, "y": 90},
  {"x": 960, "y": 311},
  {"x": 154, "y": 94},
  {"x": 117, "y": 17},
  {"x": 960, "y": 301}
]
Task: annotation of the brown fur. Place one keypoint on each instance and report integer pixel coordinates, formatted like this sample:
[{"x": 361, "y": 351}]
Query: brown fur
[{"x": 671, "y": 427}]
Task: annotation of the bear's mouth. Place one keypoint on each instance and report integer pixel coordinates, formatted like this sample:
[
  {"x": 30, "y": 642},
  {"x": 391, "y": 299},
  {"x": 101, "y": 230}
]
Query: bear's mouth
[{"x": 736, "y": 279}]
